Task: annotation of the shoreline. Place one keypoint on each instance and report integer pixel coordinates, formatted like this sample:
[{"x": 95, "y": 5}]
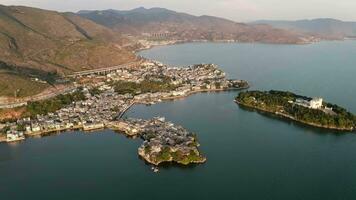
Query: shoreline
[
  {"x": 2, "y": 139},
  {"x": 16, "y": 104},
  {"x": 204, "y": 91},
  {"x": 147, "y": 158},
  {"x": 179, "y": 152},
  {"x": 38, "y": 97},
  {"x": 172, "y": 43},
  {"x": 285, "y": 116},
  {"x": 111, "y": 125}
]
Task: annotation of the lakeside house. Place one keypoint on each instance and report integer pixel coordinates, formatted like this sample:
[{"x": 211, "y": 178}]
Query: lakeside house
[
  {"x": 13, "y": 136},
  {"x": 93, "y": 126}
]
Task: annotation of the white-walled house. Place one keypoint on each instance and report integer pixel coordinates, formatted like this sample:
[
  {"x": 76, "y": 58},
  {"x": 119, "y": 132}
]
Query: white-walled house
[{"x": 316, "y": 103}]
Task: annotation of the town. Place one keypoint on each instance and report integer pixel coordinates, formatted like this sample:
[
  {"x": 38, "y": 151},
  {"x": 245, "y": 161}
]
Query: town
[{"x": 108, "y": 96}]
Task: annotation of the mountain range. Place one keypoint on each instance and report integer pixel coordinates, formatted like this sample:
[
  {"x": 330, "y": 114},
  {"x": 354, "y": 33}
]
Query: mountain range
[
  {"x": 186, "y": 27},
  {"x": 326, "y": 27}
]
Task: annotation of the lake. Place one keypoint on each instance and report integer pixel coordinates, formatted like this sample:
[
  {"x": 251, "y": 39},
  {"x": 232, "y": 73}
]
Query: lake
[{"x": 250, "y": 156}]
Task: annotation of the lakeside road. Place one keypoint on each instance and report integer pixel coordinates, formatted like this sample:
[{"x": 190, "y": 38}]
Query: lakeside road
[{"x": 289, "y": 117}]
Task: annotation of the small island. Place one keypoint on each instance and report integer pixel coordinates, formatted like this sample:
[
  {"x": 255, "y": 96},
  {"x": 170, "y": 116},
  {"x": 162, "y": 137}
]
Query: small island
[
  {"x": 163, "y": 141},
  {"x": 306, "y": 110}
]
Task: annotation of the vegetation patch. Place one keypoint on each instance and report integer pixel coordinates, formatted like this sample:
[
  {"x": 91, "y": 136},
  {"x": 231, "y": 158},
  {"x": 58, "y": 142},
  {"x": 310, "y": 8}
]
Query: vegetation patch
[
  {"x": 146, "y": 86},
  {"x": 283, "y": 103},
  {"x": 52, "y": 105}
]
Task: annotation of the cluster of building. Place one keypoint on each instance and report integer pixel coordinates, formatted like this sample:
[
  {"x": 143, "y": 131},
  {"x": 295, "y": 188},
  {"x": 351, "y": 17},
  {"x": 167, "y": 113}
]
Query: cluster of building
[
  {"x": 105, "y": 108},
  {"x": 93, "y": 113},
  {"x": 161, "y": 137},
  {"x": 186, "y": 80},
  {"x": 197, "y": 76}
]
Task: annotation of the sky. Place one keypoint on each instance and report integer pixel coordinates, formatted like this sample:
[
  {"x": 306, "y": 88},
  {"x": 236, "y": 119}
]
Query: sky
[{"x": 238, "y": 10}]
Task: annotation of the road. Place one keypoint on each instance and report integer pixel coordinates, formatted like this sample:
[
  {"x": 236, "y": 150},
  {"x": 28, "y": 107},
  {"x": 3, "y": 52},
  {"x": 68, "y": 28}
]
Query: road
[{"x": 103, "y": 70}]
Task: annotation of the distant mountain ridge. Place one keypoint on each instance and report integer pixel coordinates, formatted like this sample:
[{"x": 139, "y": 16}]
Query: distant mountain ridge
[
  {"x": 327, "y": 27},
  {"x": 182, "y": 26}
]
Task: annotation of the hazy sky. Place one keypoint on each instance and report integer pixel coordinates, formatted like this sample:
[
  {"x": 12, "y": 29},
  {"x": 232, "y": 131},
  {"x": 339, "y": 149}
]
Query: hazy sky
[{"x": 239, "y": 10}]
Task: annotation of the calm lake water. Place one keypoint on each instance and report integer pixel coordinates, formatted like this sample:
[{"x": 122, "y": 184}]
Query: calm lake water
[{"x": 250, "y": 156}]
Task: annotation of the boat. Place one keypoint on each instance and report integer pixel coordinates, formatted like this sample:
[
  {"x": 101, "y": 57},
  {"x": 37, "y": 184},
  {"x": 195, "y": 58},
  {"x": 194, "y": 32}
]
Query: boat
[{"x": 155, "y": 169}]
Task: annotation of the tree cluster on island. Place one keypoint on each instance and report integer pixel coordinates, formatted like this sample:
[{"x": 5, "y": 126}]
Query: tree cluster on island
[{"x": 282, "y": 103}]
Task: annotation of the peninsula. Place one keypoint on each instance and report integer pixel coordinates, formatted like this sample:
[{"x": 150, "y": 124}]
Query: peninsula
[
  {"x": 100, "y": 100},
  {"x": 306, "y": 110}
]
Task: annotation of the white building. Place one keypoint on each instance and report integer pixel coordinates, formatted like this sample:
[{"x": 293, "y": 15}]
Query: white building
[
  {"x": 13, "y": 136},
  {"x": 36, "y": 128},
  {"x": 178, "y": 93},
  {"x": 316, "y": 103}
]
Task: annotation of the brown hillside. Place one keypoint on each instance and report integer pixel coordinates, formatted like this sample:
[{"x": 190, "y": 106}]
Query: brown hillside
[
  {"x": 36, "y": 42},
  {"x": 52, "y": 41}
]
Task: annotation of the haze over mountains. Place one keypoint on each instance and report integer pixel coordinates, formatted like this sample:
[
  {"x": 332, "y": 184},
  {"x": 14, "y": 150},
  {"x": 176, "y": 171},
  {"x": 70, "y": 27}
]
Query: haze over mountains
[
  {"x": 182, "y": 26},
  {"x": 326, "y": 27}
]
